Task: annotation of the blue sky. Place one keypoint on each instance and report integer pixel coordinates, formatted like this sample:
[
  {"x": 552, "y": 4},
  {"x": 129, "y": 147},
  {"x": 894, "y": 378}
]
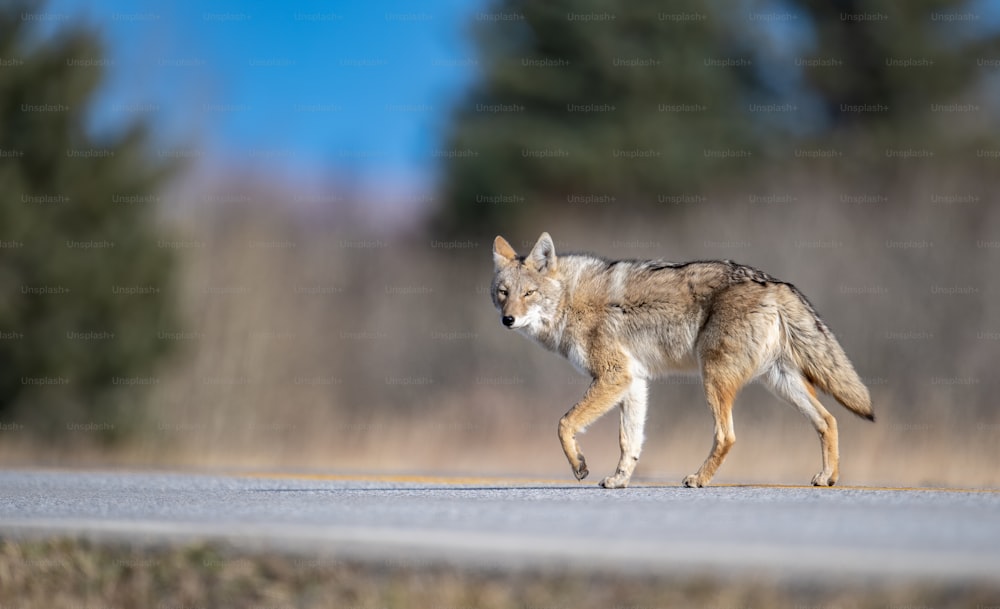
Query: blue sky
[
  {"x": 315, "y": 92},
  {"x": 304, "y": 89}
]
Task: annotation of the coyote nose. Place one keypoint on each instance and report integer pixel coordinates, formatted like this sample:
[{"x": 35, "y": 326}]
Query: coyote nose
[{"x": 508, "y": 320}]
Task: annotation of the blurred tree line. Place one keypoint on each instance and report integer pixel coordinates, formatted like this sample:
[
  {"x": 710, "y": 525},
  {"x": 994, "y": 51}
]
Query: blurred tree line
[
  {"x": 582, "y": 100},
  {"x": 86, "y": 286},
  {"x": 645, "y": 101}
]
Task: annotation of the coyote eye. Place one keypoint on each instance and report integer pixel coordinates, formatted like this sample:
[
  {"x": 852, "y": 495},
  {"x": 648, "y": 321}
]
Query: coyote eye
[
  {"x": 502, "y": 291},
  {"x": 529, "y": 293}
]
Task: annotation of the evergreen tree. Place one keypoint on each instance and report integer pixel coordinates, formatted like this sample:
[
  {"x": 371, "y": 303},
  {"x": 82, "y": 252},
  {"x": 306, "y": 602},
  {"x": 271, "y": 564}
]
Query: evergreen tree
[
  {"x": 593, "y": 98},
  {"x": 900, "y": 57},
  {"x": 640, "y": 99},
  {"x": 86, "y": 285}
]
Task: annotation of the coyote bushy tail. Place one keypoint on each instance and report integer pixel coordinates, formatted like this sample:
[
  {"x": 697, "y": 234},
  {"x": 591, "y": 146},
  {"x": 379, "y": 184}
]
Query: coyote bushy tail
[{"x": 824, "y": 363}]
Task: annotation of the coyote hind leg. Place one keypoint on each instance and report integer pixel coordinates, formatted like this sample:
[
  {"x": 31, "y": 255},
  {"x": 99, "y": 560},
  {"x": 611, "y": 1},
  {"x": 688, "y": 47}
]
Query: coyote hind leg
[
  {"x": 789, "y": 384},
  {"x": 720, "y": 395}
]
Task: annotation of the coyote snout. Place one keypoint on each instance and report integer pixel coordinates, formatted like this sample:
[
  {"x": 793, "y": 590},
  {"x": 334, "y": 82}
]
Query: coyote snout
[{"x": 623, "y": 322}]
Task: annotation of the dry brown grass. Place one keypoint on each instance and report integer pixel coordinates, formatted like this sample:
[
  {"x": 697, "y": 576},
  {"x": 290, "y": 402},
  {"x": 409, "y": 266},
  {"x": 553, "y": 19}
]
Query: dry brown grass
[
  {"x": 63, "y": 573},
  {"x": 319, "y": 343}
]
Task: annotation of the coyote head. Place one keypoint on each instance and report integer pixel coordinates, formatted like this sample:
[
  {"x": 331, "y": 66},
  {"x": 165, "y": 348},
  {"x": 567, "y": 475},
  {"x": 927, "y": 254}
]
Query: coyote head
[{"x": 526, "y": 289}]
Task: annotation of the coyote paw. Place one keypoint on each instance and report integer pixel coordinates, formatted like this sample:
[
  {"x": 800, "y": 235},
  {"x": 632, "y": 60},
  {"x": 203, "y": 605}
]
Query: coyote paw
[
  {"x": 582, "y": 471},
  {"x": 616, "y": 481},
  {"x": 693, "y": 481},
  {"x": 824, "y": 479}
]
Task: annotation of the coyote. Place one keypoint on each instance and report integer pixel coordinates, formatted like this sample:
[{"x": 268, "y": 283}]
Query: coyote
[{"x": 623, "y": 322}]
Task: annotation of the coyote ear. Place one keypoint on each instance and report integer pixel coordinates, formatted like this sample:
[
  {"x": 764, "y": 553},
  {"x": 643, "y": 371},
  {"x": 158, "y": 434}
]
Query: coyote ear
[
  {"x": 503, "y": 253},
  {"x": 543, "y": 255}
]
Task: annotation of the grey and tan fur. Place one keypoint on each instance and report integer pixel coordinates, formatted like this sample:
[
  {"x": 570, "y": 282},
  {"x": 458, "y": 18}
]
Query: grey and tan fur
[{"x": 624, "y": 322}]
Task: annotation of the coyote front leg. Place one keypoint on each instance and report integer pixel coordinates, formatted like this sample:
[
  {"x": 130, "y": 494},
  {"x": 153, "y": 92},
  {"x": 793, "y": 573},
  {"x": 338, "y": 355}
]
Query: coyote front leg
[
  {"x": 630, "y": 435},
  {"x": 602, "y": 395}
]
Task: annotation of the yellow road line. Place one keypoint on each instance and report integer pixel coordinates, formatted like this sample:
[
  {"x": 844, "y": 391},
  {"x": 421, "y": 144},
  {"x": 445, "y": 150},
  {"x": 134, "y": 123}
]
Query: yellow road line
[
  {"x": 517, "y": 481},
  {"x": 923, "y": 489},
  {"x": 411, "y": 478}
]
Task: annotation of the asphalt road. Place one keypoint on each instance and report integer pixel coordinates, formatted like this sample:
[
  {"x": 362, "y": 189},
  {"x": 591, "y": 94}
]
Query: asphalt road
[{"x": 494, "y": 522}]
